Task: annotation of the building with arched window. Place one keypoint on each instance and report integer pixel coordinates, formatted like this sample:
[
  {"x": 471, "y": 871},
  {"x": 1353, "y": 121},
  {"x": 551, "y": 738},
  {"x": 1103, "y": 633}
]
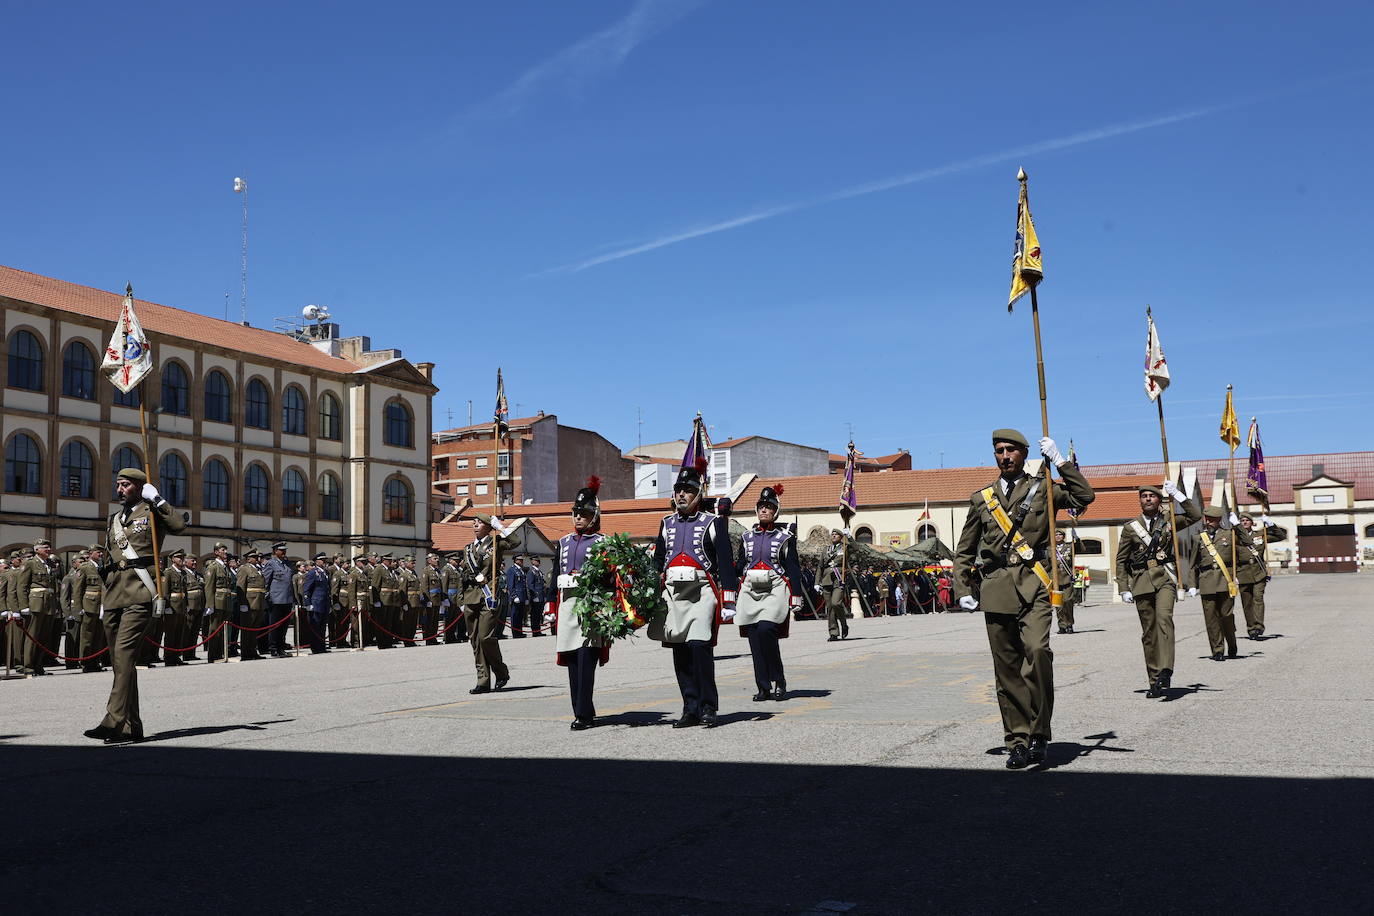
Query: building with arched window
[{"x": 259, "y": 436}]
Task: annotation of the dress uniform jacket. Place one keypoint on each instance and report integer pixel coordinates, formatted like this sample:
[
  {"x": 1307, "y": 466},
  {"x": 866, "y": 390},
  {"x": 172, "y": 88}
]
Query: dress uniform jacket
[
  {"x": 174, "y": 581},
  {"x": 252, "y": 588},
  {"x": 1139, "y": 566},
  {"x": 983, "y": 560},
  {"x": 1211, "y": 579},
  {"x": 1252, "y": 563},
  {"x": 36, "y": 586},
  {"x": 477, "y": 565},
  {"x": 123, "y": 585},
  {"x": 694, "y": 555},
  {"x": 219, "y": 586},
  {"x": 572, "y": 553},
  {"x": 770, "y": 577},
  {"x": 195, "y": 594},
  {"x": 432, "y": 584}
]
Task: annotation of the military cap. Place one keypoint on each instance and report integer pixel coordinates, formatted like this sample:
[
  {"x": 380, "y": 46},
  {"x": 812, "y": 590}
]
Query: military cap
[
  {"x": 1245, "y": 515},
  {"x": 100, "y": 547},
  {"x": 15, "y": 554},
  {"x": 42, "y": 542},
  {"x": 1015, "y": 437},
  {"x": 321, "y": 556},
  {"x": 688, "y": 478},
  {"x": 179, "y": 552},
  {"x": 768, "y": 496},
  {"x": 1150, "y": 488},
  {"x": 280, "y": 545},
  {"x": 251, "y": 552},
  {"x": 1214, "y": 512},
  {"x": 220, "y": 545},
  {"x": 388, "y": 556},
  {"x": 135, "y": 474}
]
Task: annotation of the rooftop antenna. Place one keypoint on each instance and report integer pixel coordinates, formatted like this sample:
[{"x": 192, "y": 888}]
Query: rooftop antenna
[
  {"x": 241, "y": 187},
  {"x": 226, "y": 305},
  {"x": 639, "y": 436}
]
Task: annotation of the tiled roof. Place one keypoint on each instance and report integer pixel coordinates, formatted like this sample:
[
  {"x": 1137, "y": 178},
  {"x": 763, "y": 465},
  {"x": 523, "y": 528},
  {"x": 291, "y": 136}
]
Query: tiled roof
[
  {"x": 729, "y": 442},
  {"x": 486, "y": 426},
  {"x": 165, "y": 320},
  {"x": 1283, "y": 471},
  {"x": 640, "y": 524}
]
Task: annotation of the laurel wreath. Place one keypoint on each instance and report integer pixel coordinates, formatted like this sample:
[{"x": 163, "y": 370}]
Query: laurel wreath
[{"x": 618, "y": 590}]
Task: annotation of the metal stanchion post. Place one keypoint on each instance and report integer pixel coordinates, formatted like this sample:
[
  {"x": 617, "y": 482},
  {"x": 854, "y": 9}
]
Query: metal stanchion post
[
  {"x": 298, "y": 631},
  {"x": 9, "y": 674}
]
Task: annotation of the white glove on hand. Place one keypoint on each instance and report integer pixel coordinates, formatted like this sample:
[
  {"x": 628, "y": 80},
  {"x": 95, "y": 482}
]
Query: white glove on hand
[
  {"x": 208, "y": 612},
  {"x": 1128, "y": 597},
  {"x": 1234, "y": 519},
  {"x": 481, "y": 578},
  {"x": 727, "y": 613},
  {"x": 1266, "y": 521},
  {"x": 794, "y": 603},
  {"x": 1192, "y": 592},
  {"x": 150, "y": 493},
  {"x": 1050, "y": 451},
  {"x": 1172, "y": 491},
  {"x": 845, "y": 532},
  {"x": 968, "y": 603}
]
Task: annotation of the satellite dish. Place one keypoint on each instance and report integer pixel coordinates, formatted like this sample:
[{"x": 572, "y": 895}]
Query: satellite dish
[
  {"x": 240, "y": 186},
  {"x": 310, "y": 312}
]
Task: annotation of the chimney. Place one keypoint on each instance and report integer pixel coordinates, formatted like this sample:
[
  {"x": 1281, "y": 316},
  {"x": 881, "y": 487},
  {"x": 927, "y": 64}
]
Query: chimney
[
  {"x": 1318, "y": 470},
  {"x": 427, "y": 370}
]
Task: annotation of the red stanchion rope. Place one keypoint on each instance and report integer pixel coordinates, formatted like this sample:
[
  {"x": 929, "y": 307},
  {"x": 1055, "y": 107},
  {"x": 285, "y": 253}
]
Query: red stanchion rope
[
  {"x": 270, "y": 626},
  {"x": 422, "y": 638},
  {"x": 188, "y": 648},
  {"x": 60, "y": 658}
]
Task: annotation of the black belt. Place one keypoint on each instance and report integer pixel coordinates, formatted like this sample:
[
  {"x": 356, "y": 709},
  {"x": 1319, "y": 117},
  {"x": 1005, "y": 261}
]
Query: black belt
[{"x": 135, "y": 563}]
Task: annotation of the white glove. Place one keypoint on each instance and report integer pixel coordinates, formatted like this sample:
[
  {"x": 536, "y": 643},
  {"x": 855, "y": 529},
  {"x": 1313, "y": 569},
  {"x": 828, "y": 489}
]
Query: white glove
[
  {"x": 1192, "y": 592},
  {"x": 845, "y": 532},
  {"x": 794, "y": 603},
  {"x": 207, "y": 613},
  {"x": 376, "y": 604},
  {"x": 1234, "y": 519},
  {"x": 150, "y": 493},
  {"x": 968, "y": 603},
  {"x": 1172, "y": 491},
  {"x": 1266, "y": 521},
  {"x": 481, "y": 578},
  {"x": 727, "y": 613},
  {"x": 1128, "y": 597},
  {"x": 243, "y": 609},
  {"x": 1050, "y": 451},
  {"x": 515, "y": 601}
]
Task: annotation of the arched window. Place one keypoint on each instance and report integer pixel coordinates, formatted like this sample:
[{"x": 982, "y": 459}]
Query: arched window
[
  {"x": 293, "y": 411},
  {"x": 1369, "y": 531},
  {"x": 400, "y": 426},
  {"x": 26, "y": 361},
  {"x": 217, "y": 390},
  {"x": 78, "y": 371},
  {"x": 330, "y": 508},
  {"x": 816, "y": 532},
  {"x": 176, "y": 390},
  {"x": 257, "y": 495},
  {"x": 927, "y": 531},
  {"x": 331, "y": 418},
  {"x": 293, "y": 494},
  {"x": 215, "y": 486},
  {"x": 396, "y": 502},
  {"x": 126, "y": 456},
  {"x": 127, "y": 398},
  {"x": 863, "y": 534},
  {"x": 1086, "y": 547},
  {"x": 77, "y": 470},
  {"x": 172, "y": 479},
  {"x": 257, "y": 407},
  {"x": 23, "y": 465}
]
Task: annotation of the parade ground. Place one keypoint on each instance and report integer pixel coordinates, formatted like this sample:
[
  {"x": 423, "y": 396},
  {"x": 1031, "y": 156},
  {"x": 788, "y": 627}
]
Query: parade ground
[{"x": 374, "y": 782}]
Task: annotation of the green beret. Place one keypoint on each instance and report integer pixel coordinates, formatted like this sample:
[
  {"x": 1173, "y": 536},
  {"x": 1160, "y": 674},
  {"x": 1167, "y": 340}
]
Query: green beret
[
  {"x": 134, "y": 474},
  {"x": 1010, "y": 435},
  {"x": 1245, "y": 515},
  {"x": 483, "y": 518},
  {"x": 1214, "y": 512},
  {"x": 1150, "y": 488}
]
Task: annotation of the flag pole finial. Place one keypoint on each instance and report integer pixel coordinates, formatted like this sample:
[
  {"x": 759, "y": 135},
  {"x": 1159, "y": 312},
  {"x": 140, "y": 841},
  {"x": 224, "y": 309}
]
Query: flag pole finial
[
  {"x": 129, "y": 289},
  {"x": 1148, "y": 313},
  {"x": 1020, "y": 174}
]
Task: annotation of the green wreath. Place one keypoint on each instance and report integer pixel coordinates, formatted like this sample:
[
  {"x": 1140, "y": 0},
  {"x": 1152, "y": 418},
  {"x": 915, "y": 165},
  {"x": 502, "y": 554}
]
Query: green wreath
[{"x": 618, "y": 590}]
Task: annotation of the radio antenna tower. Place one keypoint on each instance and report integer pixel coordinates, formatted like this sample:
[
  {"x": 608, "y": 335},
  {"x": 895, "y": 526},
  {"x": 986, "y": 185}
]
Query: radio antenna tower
[{"x": 241, "y": 187}]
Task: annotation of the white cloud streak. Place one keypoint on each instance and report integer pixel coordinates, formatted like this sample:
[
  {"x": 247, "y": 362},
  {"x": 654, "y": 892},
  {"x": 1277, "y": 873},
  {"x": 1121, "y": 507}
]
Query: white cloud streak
[
  {"x": 899, "y": 181},
  {"x": 595, "y": 56}
]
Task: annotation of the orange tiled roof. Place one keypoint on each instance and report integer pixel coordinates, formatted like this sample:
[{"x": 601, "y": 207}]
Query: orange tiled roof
[
  {"x": 165, "y": 320},
  {"x": 486, "y": 426}
]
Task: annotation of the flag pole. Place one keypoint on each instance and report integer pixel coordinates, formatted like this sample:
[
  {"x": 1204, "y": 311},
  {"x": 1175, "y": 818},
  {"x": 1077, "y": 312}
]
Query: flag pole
[
  {"x": 1164, "y": 446},
  {"x": 152, "y": 527},
  {"x": 1231, "y": 484},
  {"x": 1056, "y": 596},
  {"x": 1264, "y": 501},
  {"x": 495, "y": 499}
]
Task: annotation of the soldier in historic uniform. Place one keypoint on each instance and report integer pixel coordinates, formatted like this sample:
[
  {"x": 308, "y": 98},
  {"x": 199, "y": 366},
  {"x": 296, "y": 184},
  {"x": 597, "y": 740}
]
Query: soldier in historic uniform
[
  {"x": 770, "y": 592},
  {"x": 1216, "y": 580},
  {"x": 451, "y": 577},
  {"x": 131, "y": 596},
  {"x": 195, "y": 607},
  {"x": 1146, "y": 566},
  {"x": 576, "y": 651},
  {"x": 413, "y": 593},
  {"x": 88, "y": 590},
  {"x": 831, "y": 585},
  {"x": 36, "y": 585},
  {"x": 176, "y": 634},
  {"x": 1252, "y": 575},
  {"x": 480, "y": 605},
  {"x": 220, "y": 600},
  {"x": 432, "y": 590},
  {"x": 693, "y": 553},
  {"x": 1002, "y": 567},
  {"x": 251, "y": 588}
]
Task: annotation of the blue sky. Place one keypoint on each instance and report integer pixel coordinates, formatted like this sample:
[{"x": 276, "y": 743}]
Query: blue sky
[{"x": 793, "y": 216}]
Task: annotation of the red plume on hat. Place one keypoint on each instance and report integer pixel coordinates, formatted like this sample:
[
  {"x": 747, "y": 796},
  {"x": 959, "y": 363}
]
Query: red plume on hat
[
  {"x": 777, "y": 488},
  {"x": 594, "y": 484}
]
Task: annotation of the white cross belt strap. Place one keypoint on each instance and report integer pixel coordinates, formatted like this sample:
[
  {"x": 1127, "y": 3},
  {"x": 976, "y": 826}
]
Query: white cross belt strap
[{"x": 121, "y": 540}]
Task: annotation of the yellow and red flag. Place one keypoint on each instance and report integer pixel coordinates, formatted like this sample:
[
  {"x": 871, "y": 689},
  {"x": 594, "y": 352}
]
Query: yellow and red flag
[
  {"x": 1230, "y": 429},
  {"x": 1027, "y": 270}
]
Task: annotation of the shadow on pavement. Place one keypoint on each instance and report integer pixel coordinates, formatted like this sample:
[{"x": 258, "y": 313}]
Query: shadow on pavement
[
  {"x": 214, "y": 730},
  {"x": 322, "y": 832}
]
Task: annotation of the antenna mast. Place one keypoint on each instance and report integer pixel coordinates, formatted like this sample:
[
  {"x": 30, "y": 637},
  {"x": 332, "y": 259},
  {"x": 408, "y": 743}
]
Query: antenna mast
[{"x": 241, "y": 187}]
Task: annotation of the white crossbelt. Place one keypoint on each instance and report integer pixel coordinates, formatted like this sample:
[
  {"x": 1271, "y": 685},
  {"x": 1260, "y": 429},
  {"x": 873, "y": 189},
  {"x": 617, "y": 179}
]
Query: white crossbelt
[{"x": 121, "y": 540}]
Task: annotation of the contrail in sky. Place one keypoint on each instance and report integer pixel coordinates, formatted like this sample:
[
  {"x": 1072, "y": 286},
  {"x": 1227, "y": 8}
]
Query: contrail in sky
[
  {"x": 593, "y": 56},
  {"x": 887, "y": 184}
]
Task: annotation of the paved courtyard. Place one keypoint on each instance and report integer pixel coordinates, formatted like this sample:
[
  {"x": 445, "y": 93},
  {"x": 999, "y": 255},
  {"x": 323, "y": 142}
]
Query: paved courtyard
[{"x": 365, "y": 780}]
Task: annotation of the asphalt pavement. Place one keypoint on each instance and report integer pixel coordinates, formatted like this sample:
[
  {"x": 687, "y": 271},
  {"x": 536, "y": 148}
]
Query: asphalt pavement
[{"x": 355, "y": 781}]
